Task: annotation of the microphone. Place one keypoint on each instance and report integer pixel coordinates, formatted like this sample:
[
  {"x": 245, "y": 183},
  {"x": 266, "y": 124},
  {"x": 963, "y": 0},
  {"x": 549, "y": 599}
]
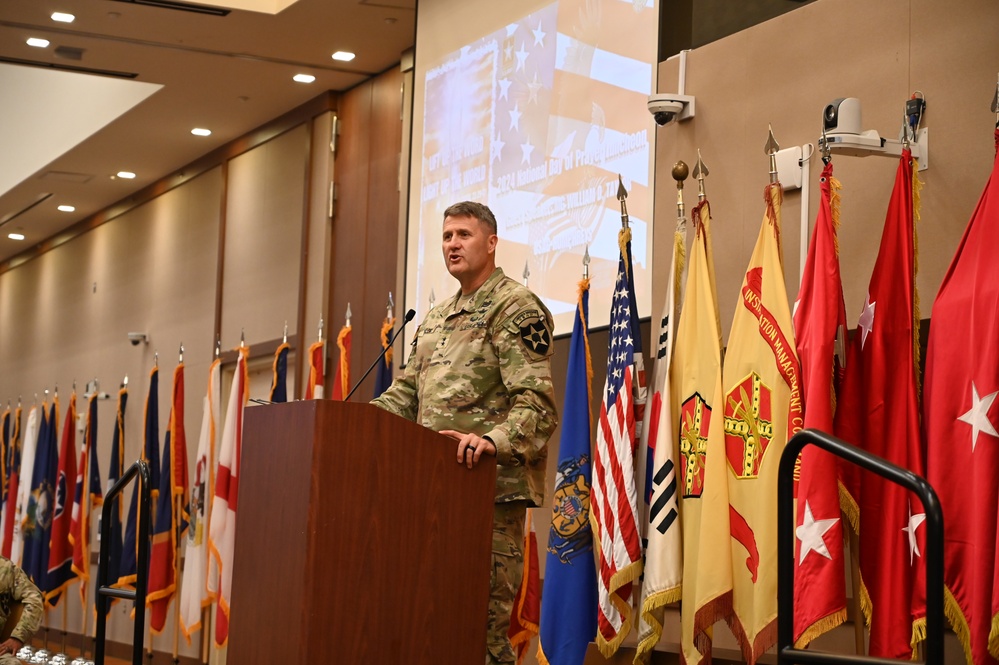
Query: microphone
[{"x": 409, "y": 317}]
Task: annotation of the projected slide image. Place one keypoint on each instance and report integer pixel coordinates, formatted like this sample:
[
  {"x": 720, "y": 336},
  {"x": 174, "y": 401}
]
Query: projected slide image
[{"x": 537, "y": 119}]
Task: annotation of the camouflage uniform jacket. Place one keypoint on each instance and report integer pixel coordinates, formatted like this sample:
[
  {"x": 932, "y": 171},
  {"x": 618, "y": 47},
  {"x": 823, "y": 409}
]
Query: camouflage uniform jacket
[
  {"x": 16, "y": 587},
  {"x": 483, "y": 366}
]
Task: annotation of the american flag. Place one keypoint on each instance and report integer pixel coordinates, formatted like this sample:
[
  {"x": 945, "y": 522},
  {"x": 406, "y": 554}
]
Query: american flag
[{"x": 615, "y": 499}]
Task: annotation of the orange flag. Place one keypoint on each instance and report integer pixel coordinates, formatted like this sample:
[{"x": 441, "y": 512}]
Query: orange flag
[
  {"x": 527, "y": 604},
  {"x": 317, "y": 369},
  {"x": 341, "y": 377}
]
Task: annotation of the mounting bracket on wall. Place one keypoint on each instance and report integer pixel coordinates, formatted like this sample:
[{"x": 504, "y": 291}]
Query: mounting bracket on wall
[{"x": 841, "y": 132}]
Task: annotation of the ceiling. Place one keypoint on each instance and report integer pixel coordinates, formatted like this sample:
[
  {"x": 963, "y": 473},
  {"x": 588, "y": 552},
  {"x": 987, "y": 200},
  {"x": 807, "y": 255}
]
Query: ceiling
[{"x": 65, "y": 134}]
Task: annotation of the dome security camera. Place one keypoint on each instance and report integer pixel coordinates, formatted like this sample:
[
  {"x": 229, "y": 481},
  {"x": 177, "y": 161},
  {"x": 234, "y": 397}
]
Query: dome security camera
[
  {"x": 136, "y": 338},
  {"x": 667, "y": 108}
]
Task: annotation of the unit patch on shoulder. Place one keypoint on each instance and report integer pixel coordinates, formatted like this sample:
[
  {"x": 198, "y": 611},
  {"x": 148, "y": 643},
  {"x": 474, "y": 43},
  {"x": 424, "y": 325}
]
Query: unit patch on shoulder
[{"x": 534, "y": 333}]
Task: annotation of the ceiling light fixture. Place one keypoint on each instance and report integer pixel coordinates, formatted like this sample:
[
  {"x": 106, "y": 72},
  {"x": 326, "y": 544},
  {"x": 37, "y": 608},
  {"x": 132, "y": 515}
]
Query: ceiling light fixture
[
  {"x": 38, "y": 42},
  {"x": 198, "y": 131},
  {"x": 343, "y": 56},
  {"x": 16, "y": 236},
  {"x": 127, "y": 175},
  {"x": 303, "y": 78},
  {"x": 66, "y": 209},
  {"x": 63, "y": 17}
]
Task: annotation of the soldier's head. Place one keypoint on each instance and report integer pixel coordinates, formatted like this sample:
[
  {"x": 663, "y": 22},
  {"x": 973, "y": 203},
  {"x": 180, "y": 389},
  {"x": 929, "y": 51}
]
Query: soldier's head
[{"x": 469, "y": 243}]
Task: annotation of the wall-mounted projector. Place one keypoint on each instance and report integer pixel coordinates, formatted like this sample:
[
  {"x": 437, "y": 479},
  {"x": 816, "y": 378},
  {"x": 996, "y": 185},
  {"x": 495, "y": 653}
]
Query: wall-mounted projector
[{"x": 842, "y": 134}]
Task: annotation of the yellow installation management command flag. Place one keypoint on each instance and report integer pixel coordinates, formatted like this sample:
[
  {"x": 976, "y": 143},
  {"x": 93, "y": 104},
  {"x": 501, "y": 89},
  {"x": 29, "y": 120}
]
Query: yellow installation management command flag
[
  {"x": 697, "y": 388},
  {"x": 762, "y": 410},
  {"x": 663, "y": 565}
]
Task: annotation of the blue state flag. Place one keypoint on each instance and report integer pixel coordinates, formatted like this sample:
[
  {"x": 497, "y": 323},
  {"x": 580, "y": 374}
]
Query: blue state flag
[
  {"x": 151, "y": 454},
  {"x": 383, "y": 375},
  {"x": 115, "y": 469},
  {"x": 279, "y": 378},
  {"x": 38, "y": 522},
  {"x": 569, "y": 601}
]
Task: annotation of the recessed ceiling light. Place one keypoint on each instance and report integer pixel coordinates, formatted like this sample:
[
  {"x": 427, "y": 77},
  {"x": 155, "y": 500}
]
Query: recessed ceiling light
[
  {"x": 16, "y": 236},
  {"x": 127, "y": 175},
  {"x": 66, "y": 208},
  {"x": 303, "y": 78},
  {"x": 198, "y": 131},
  {"x": 63, "y": 17},
  {"x": 38, "y": 41},
  {"x": 344, "y": 56}
]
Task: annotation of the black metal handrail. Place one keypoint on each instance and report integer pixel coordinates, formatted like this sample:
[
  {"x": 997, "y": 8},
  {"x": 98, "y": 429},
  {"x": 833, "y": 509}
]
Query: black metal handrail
[
  {"x": 106, "y": 592},
  {"x": 786, "y": 653}
]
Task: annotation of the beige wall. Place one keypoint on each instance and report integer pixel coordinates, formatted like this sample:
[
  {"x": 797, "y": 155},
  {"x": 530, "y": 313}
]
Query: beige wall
[
  {"x": 783, "y": 72},
  {"x": 247, "y": 245}
]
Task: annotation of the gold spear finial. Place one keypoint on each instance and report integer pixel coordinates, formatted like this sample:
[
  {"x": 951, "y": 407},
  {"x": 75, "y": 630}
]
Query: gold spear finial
[
  {"x": 680, "y": 173},
  {"x": 218, "y": 345},
  {"x": 348, "y": 315},
  {"x": 771, "y": 149},
  {"x": 700, "y": 172},
  {"x": 284, "y": 335},
  {"x": 389, "y": 307},
  {"x": 433, "y": 298},
  {"x": 586, "y": 263},
  {"x": 181, "y": 360},
  {"x": 320, "y": 327},
  {"x": 622, "y": 196},
  {"x": 527, "y": 272}
]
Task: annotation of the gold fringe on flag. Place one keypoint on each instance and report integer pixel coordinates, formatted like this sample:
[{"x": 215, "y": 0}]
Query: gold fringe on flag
[
  {"x": 994, "y": 637},
  {"x": 823, "y": 625},
  {"x": 623, "y": 238},
  {"x": 774, "y": 197},
  {"x": 680, "y": 252},
  {"x": 958, "y": 622},
  {"x": 387, "y": 326},
  {"x": 344, "y": 365},
  {"x": 584, "y": 285},
  {"x": 834, "y": 201},
  {"x": 917, "y": 188},
  {"x": 849, "y": 507}
]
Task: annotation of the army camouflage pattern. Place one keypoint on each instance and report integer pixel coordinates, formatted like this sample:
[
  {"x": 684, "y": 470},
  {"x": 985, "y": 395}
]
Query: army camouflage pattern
[
  {"x": 15, "y": 586},
  {"x": 482, "y": 365},
  {"x": 505, "y": 576}
]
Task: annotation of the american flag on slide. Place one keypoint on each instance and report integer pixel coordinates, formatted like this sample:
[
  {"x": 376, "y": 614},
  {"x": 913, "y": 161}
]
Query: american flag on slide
[{"x": 614, "y": 509}]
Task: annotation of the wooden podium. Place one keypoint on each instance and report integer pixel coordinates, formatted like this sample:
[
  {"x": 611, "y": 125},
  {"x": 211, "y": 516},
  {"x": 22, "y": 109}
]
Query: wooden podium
[{"x": 360, "y": 539}]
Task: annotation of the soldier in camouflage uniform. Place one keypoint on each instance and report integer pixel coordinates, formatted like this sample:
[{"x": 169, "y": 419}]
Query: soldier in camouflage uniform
[
  {"x": 480, "y": 372},
  {"x": 15, "y": 586}
]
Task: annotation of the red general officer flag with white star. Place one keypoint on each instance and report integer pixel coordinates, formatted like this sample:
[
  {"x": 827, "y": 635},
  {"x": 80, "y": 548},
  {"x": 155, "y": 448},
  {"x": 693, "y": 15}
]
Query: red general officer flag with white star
[
  {"x": 960, "y": 416},
  {"x": 886, "y": 423},
  {"x": 819, "y": 323}
]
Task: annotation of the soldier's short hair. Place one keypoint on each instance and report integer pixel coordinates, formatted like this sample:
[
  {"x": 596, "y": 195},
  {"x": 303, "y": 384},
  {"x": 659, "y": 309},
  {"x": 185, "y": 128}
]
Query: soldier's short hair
[{"x": 474, "y": 209}]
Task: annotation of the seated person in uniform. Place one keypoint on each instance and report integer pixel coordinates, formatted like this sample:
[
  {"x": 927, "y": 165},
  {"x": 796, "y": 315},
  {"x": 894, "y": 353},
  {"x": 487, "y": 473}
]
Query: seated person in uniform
[{"x": 15, "y": 587}]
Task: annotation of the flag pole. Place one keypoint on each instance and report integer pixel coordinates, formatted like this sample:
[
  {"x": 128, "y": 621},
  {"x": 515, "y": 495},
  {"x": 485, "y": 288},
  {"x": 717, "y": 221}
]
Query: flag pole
[
  {"x": 858, "y": 615},
  {"x": 176, "y": 575},
  {"x": 65, "y": 605}
]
